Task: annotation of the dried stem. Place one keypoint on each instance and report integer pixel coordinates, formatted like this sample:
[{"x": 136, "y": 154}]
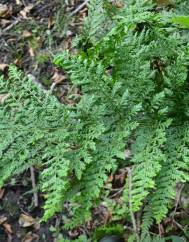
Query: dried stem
[
  {"x": 135, "y": 229},
  {"x": 177, "y": 199},
  {"x": 11, "y": 25},
  {"x": 35, "y": 196},
  {"x": 79, "y": 8}
]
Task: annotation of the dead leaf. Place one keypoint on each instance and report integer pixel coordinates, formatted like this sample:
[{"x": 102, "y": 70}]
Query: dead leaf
[
  {"x": 26, "y": 10},
  {"x": 163, "y": 3},
  {"x": 26, "y": 34},
  {"x": 8, "y": 228},
  {"x": 58, "y": 78},
  {"x": 31, "y": 52},
  {"x": 3, "y": 66},
  {"x": 2, "y": 219},
  {"x": 110, "y": 178},
  {"x": 3, "y": 97},
  {"x": 37, "y": 224},
  {"x": 50, "y": 22},
  {"x": 28, "y": 238},
  {"x": 3, "y": 9},
  {"x": 73, "y": 233},
  {"x": 5, "y": 22},
  {"x": 118, "y": 4},
  {"x": 18, "y": 2},
  {"x": 26, "y": 220},
  {"x": 2, "y": 191},
  {"x": 120, "y": 177},
  {"x": 17, "y": 62},
  {"x": 102, "y": 215}
]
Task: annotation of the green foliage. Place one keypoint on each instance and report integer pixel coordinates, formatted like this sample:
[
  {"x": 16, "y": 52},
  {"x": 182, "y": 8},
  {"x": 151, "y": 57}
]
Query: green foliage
[
  {"x": 134, "y": 94},
  {"x": 182, "y": 7},
  {"x": 96, "y": 24},
  {"x": 81, "y": 238},
  {"x": 183, "y": 21},
  {"x": 115, "y": 229}
]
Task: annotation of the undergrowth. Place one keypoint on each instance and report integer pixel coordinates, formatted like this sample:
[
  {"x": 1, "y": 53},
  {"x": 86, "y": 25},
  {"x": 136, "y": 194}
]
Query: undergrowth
[{"x": 134, "y": 85}]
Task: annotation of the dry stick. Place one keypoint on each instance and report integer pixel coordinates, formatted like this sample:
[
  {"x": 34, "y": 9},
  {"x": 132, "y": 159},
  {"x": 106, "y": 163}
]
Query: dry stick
[
  {"x": 178, "y": 225},
  {"x": 128, "y": 228},
  {"x": 160, "y": 230},
  {"x": 177, "y": 200},
  {"x": 35, "y": 196},
  {"x": 37, "y": 82},
  {"x": 120, "y": 190},
  {"x": 79, "y": 8},
  {"x": 11, "y": 25},
  {"x": 53, "y": 85},
  {"x": 135, "y": 229}
]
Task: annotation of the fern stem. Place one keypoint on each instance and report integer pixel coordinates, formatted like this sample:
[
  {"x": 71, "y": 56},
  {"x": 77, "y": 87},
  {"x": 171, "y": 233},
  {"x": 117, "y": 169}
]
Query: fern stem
[
  {"x": 135, "y": 229},
  {"x": 35, "y": 196},
  {"x": 178, "y": 196}
]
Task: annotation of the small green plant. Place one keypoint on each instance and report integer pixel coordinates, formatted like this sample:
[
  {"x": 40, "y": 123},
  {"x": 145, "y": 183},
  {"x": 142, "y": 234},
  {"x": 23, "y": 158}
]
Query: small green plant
[
  {"x": 115, "y": 229},
  {"x": 134, "y": 88}
]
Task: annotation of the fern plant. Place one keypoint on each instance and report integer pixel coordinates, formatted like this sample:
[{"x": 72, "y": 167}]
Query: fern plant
[{"x": 134, "y": 94}]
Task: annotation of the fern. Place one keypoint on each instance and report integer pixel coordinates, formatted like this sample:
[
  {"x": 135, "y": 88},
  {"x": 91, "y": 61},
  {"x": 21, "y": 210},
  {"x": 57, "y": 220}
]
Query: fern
[
  {"x": 115, "y": 229},
  {"x": 96, "y": 24},
  {"x": 133, "y": 80}
]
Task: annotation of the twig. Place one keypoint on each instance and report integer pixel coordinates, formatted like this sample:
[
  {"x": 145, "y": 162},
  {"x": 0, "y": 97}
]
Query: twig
[
  {"x": 79, "y": 8},
  {"x": 37, "y": 82},
  {"x": 53, "y": 85},
  {"x": 11, "y": 25},
  {"x": 35, "y": 196},
  {"x": 135, "y": 229},
  {"x": 177, "y": 200},
  {"x": 128, "y": 228},
  {"x": 161, "y": 230},
  {"x": 178, "y": 225},
  {"x": 120, "y": 190}
]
